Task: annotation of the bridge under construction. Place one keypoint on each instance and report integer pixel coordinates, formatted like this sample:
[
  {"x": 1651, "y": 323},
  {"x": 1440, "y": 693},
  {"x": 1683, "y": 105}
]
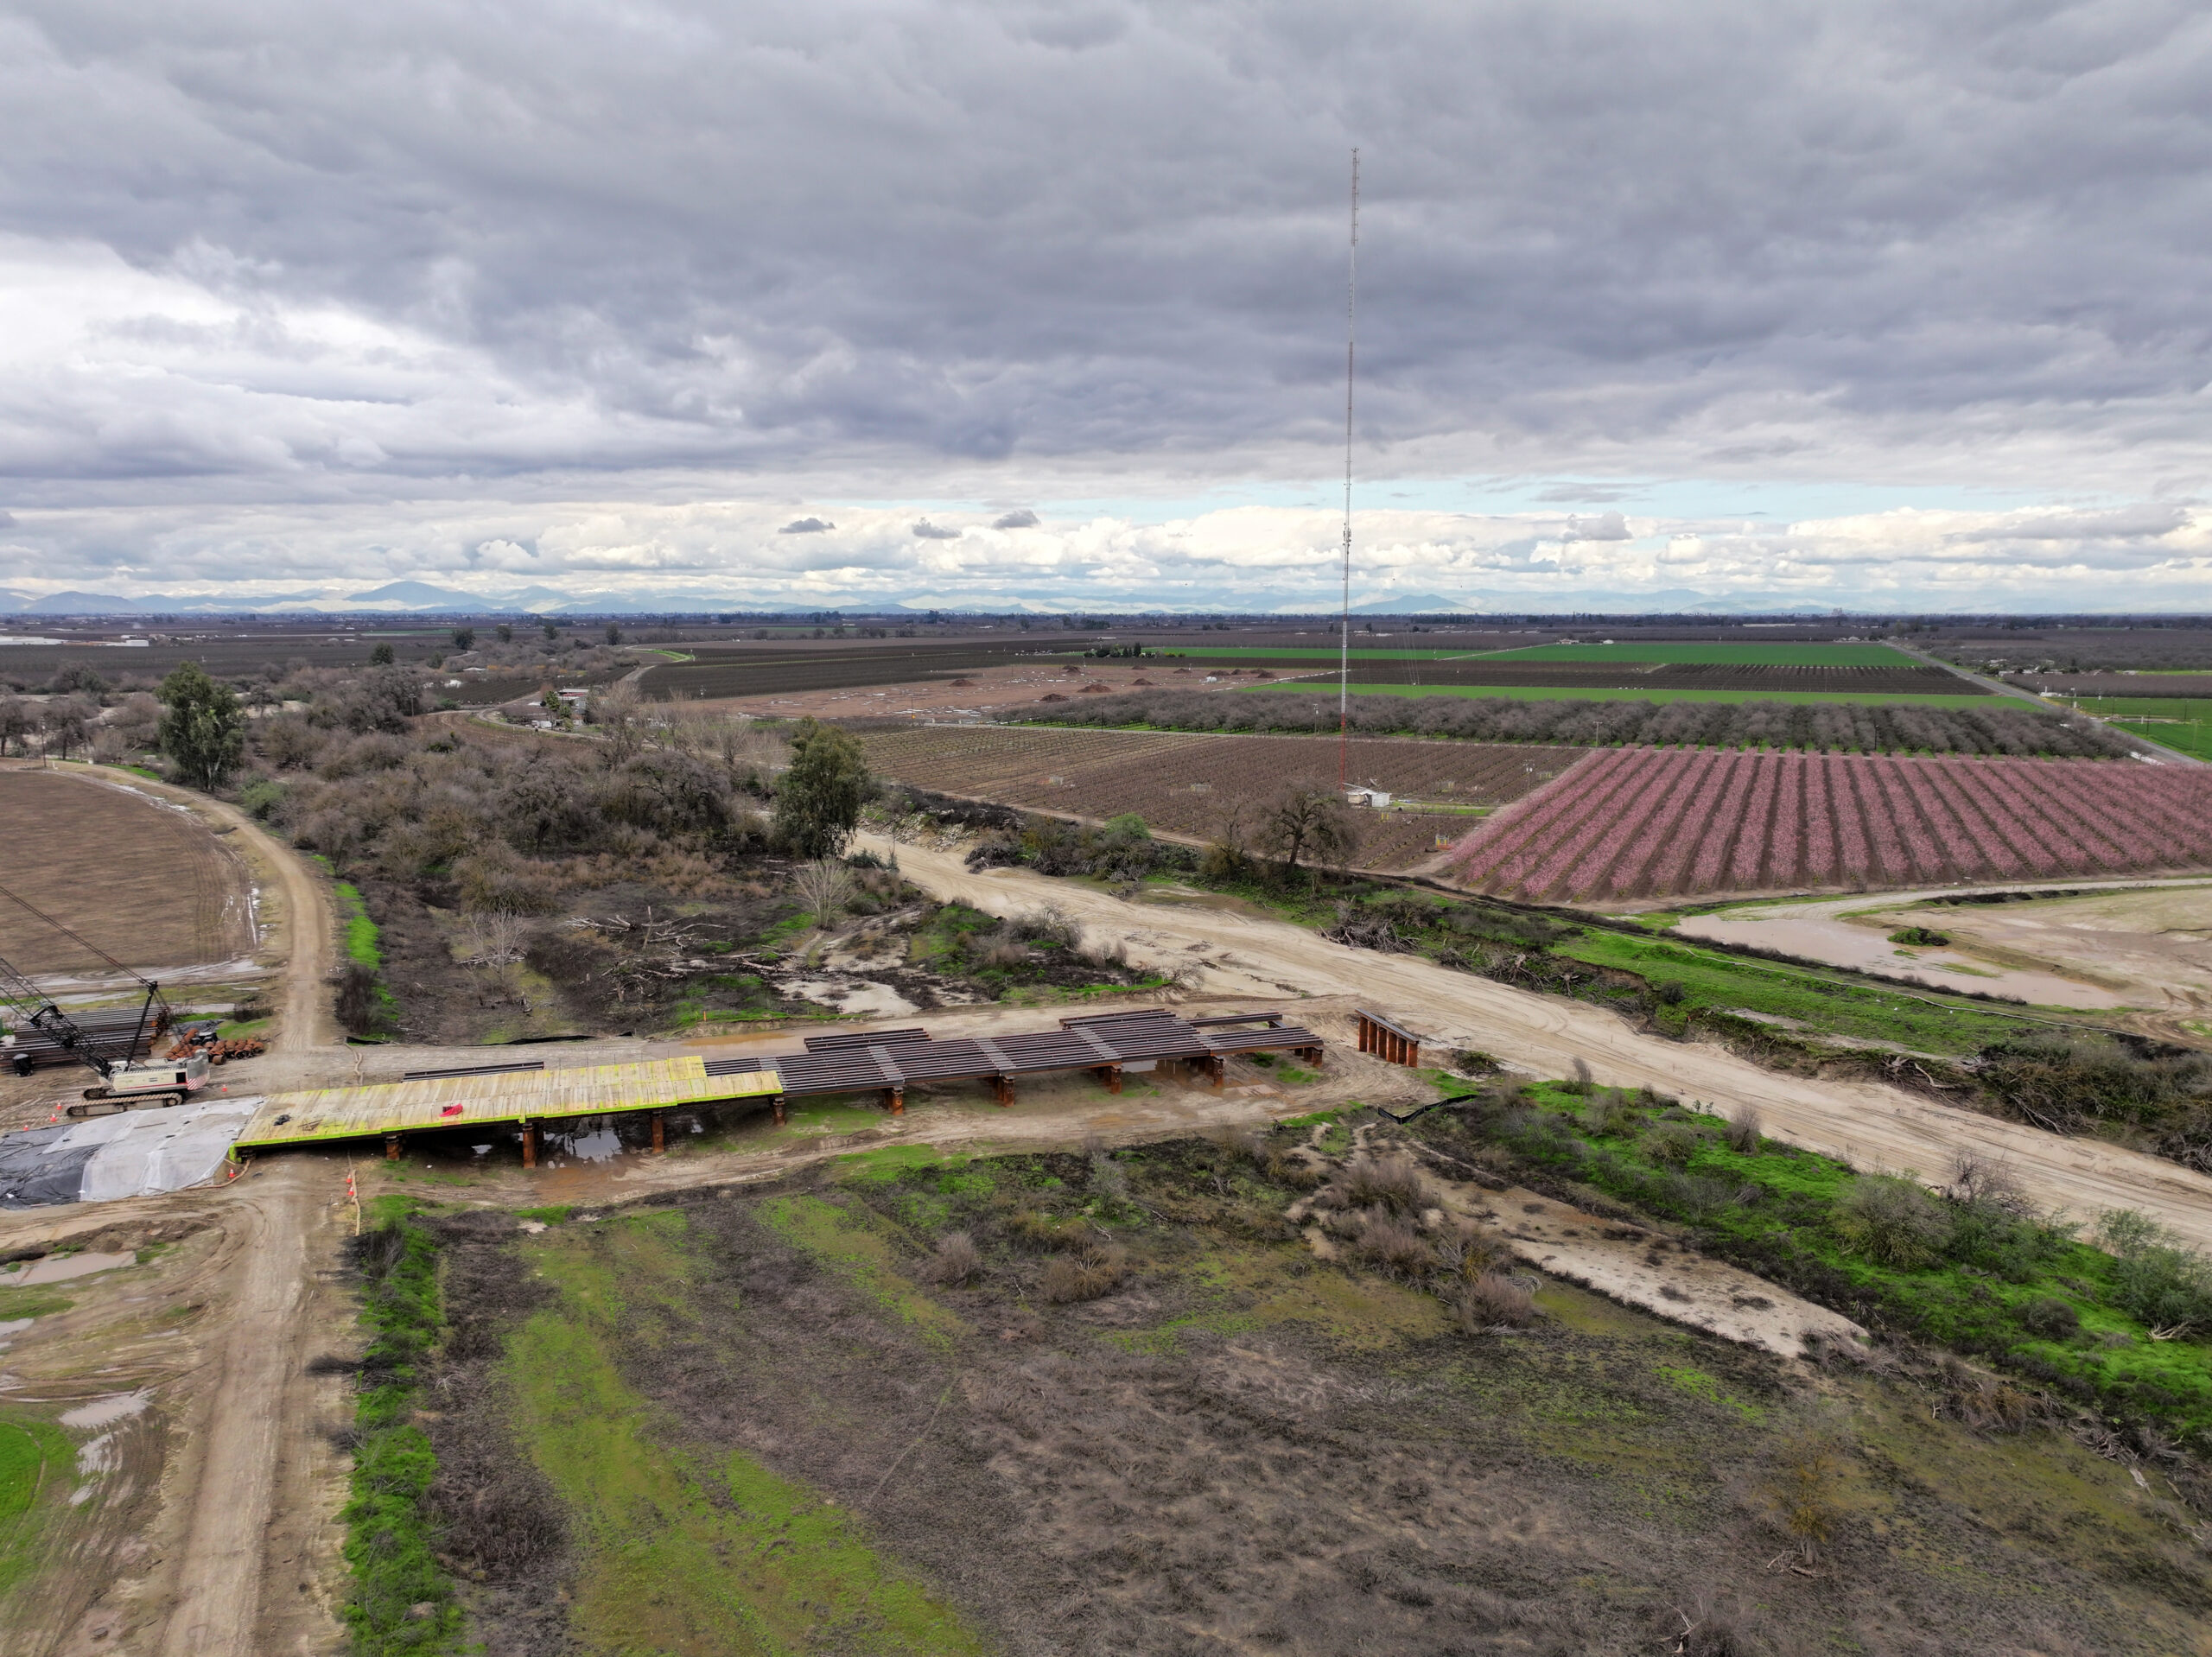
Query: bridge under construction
[{"x": 884, "y": 1062}]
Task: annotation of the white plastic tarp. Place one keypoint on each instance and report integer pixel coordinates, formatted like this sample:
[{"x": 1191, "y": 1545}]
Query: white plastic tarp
[{"x": 143, "y": 1152}]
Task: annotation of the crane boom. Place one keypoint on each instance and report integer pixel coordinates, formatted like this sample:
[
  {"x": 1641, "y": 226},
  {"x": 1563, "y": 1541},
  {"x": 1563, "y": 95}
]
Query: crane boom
[
  {"x": 119, "y": 1077},
  {"x": 37, "y": 1009}
]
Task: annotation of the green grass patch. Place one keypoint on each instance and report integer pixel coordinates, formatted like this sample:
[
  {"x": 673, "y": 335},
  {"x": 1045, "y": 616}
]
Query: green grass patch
[
  {"x": 1699, "y": 1384},
  {"x": 849, "y": 1243},
  {"x": 1318, "y": 653},
  {"x": 40, "y": 1300},
  {"x": 363, "y": 941},
  {"x": 389, "y": 1532},
  {"x": 35, "y": 1460},
  {"x": 1713, "y": 981},
  {"x": 552, "y": 1215},
  {"x": 2183, "y": 722},
  {"x": 1696, "y": 655},
  {"x": 885, "y": 1165},
  {"x": 683, "y": 1552}
]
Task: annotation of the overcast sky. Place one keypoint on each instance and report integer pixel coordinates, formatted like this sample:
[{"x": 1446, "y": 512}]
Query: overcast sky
[{"x": 1901, "y": 305}]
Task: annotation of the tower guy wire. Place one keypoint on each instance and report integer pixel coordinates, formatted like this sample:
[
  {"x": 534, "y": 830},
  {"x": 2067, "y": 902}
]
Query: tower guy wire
[{"x": 1352, "y": 336}]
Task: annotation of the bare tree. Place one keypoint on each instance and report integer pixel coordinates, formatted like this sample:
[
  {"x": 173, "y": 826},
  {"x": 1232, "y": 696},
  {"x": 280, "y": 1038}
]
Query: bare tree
[
  {"x": 1231, "y": 850},
  {"x": 619, "y": 712},
  {"x": 67, "y": 724},
  {"x": 1307, "y": 820},
  {"x": 824, "y": 887},
  {"x": 18, "y": 719}
]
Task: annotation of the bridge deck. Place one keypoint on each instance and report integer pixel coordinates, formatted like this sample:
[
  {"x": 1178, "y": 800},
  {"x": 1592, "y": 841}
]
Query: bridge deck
[{"x": 387, "y": 1107}]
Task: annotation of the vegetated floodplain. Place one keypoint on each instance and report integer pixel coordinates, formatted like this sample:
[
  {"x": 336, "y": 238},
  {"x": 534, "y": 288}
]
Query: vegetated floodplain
[
  {"x": 1710, "y": 981},
  {"x": 1087, "y": 1403},
  {"x": 2122, "y": 1329}
]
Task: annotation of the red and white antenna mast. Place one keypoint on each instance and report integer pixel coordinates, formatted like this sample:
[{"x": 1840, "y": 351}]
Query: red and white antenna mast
[{"x": 1344, "y": 659}]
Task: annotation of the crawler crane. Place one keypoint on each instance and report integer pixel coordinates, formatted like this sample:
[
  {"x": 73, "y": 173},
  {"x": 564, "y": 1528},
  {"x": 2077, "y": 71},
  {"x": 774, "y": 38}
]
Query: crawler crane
[{"x": 125, "y": 1080}]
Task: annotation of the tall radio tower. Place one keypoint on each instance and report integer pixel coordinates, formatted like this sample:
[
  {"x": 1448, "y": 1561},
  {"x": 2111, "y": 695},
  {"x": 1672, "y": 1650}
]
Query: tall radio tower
[{"x": 1352, "y": 334}]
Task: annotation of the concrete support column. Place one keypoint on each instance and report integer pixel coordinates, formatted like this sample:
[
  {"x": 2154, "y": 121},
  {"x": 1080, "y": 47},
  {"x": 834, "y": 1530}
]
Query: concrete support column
[
  {"x": 781, "y": 1118},
  {"x": 894, "y": 1100},
  {"x": 1003, "y": 1090},
  {"x": 392, "y": 1147}
]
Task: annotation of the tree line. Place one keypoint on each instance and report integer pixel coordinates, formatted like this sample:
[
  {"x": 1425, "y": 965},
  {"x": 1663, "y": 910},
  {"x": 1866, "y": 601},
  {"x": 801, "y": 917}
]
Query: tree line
[{"x": 1601, "y": 723}]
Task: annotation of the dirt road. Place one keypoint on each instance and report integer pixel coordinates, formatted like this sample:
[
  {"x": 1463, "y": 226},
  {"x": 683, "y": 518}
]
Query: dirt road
[
  {"x": 251, "y": 1404},
  {"x": 248, "y": 1380},
  {"x": 1871, "y": 1125}
]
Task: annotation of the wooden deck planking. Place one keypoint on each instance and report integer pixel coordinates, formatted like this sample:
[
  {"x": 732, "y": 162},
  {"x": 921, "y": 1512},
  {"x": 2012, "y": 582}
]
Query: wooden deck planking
[{"x": 380, "y": 1108}]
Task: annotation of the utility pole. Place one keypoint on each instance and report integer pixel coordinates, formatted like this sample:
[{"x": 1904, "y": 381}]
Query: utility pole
[{"x": 1351, "y": 335}]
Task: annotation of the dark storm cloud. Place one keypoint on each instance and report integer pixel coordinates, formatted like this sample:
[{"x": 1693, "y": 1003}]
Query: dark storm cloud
[
  {"x": 926, "y": 530},
  {"x": 806, "y": 526},
  {"x": 1024, "y": 519},
  {"x": 683, "y": 234}
]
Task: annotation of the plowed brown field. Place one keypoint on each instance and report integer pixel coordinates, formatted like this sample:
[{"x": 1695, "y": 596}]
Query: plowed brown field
[
  {"x": 145, "y": 882},
  {"x": 1185, "y": 785}
]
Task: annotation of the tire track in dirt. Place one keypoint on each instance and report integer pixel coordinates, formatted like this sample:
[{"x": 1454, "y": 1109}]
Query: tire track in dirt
[
  {"x": 219, "y": 1571},
  {"x": 1867, "y": 1124}
]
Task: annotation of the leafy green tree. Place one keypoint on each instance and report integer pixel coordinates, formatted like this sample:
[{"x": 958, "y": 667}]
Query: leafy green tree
[
  {"x": 203, "y": 727},
  {"x": 380, "y": 657},
  {"x": 551, "y": 631},
  {"x": 818, "y": 800},
  {"x": 464, "y": 639},
  {"x": 614, "y": 634},
  {"x": 506, "y": 633}
]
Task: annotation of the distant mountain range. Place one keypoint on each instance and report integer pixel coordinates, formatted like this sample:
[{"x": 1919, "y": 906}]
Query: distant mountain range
[{"x": 426, "y": 599}]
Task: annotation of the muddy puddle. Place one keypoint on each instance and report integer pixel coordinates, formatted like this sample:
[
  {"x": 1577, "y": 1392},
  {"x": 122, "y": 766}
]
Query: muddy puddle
[
  {"x": 1191, "y": 898},
  {"x": 860, "y": 997},
  {"x": 106, "y": 1411},
  {"x": 61, "y": 1268}
]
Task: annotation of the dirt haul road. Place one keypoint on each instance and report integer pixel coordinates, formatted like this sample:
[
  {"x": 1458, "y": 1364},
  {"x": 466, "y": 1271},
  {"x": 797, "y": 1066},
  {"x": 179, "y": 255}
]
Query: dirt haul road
[
  {"x": 252, "y": 1409},
  {"x": 1870, "y": 1125}
]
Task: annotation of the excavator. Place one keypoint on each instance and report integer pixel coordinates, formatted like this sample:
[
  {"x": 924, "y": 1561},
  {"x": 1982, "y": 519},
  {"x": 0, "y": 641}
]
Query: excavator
[{"x": 108, "y": 1052}]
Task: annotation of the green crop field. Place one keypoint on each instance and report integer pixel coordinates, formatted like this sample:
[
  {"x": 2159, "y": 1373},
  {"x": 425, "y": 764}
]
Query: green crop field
[
  {"x": 2183, "y": 722},
  {"x": 1557, "y": 693},
  {"x": 1806, "y": 655},
  {"x": 1318, "y": 653}
]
